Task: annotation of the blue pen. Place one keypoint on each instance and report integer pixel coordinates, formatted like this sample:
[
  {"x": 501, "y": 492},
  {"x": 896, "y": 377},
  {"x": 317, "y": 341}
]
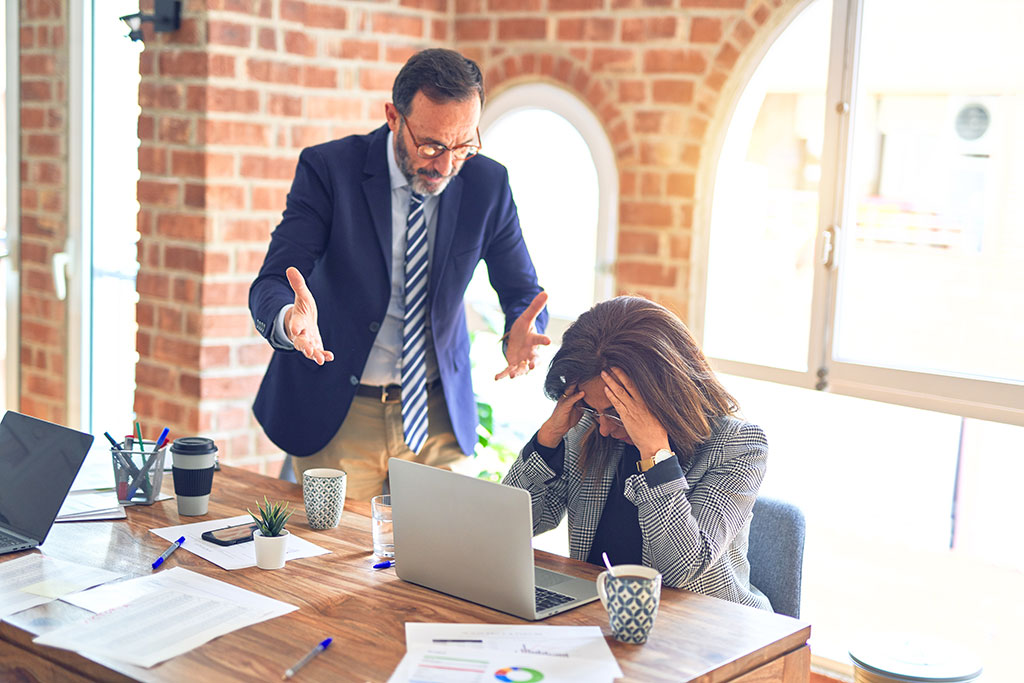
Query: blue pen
[
  {"x": 167, "y": 553},
  {"x": 305, "y": 660},
  {"x": 160, "y": 441},
  {"x": 384, "y": 565}
]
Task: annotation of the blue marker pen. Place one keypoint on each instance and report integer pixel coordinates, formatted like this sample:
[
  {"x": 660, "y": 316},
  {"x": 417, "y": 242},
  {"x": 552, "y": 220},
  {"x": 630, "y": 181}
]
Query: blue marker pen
[
  {"x": 167, "y": 553},
  {"x": 384, "y": 565}
]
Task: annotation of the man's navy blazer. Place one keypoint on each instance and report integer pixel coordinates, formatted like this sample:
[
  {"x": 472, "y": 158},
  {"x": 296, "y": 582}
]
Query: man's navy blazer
[{"x": 336, "y": 229}]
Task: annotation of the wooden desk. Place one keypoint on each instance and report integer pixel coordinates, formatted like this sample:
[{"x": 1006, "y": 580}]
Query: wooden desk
[{"x": 695, "y": 638}]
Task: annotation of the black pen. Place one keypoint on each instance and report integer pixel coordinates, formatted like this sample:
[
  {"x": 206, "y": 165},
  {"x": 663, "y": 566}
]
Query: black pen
[
  {"x": 305, "y": 660},
  {"x": 455, "y": 640}
]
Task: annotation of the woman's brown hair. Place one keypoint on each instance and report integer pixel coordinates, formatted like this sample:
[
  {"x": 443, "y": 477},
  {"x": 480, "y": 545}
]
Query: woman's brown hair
[{"x": 657, "y": 352}]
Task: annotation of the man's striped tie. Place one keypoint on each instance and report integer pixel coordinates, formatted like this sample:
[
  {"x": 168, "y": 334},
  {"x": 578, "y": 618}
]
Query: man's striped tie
[{"x": 414, "y": 369}]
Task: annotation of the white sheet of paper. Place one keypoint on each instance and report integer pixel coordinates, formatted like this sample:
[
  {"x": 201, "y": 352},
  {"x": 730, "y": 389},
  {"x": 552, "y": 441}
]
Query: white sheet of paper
[
  {"x": 90, "y": 505},
  {"x": 152, "y": 628},
  {"x": 112, "y": 513},
  {"x": 586, "y": 642},
  {"x": 462, "y": 665},
  {"x": 113, "y": 595},
  {"x": 36, "y": 579},
  {"x": 237, "y": 556}
]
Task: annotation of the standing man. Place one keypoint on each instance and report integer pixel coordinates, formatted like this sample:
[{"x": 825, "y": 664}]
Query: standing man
[{"x": 361, "y": 291}]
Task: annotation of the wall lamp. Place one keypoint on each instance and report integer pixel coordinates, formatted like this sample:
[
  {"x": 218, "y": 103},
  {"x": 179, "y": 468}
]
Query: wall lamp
[{"x": 166, "y": 17}]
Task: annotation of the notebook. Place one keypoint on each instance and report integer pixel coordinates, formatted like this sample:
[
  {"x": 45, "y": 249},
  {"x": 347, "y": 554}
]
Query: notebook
[
  {"x": 38, "y": 462},
  {"x": 471, "y": 538}
]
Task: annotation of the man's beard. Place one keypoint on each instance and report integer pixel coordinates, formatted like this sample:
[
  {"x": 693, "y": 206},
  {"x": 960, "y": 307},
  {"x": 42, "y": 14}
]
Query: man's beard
[{"x": 416, "y": 177}]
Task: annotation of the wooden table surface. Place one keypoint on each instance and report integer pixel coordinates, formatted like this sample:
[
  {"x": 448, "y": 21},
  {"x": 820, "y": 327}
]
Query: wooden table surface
[{"x": 340, "y": 595}]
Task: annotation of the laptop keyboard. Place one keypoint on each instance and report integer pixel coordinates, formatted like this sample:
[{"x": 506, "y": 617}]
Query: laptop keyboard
[
  {"x": 547, "y": 599},
  {"x": 6, "y": 540}
]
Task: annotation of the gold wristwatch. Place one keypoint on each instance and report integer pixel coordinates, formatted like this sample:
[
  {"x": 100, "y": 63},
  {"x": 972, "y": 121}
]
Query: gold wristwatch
[{"x": 645, "y": 464}]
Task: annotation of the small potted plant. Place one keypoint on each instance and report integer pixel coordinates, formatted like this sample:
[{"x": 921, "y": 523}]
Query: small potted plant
[{"x": 271, "y": 538}]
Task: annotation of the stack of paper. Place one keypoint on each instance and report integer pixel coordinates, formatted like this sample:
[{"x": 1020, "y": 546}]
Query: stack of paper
[
  {"x": 82, "y": 506},
  {"x": 150, "y": 619},
  {"x": 454, "y": 653}
]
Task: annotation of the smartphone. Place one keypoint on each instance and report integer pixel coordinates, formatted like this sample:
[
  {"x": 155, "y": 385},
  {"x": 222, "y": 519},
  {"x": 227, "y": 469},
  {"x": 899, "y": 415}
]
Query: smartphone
[{"x": 230, "y": 535}]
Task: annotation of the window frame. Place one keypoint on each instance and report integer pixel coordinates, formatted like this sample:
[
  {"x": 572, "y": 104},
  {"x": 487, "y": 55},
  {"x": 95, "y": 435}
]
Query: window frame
[
  {"x": 12, "y": 132},
  {"x": 982, "y": 398}
]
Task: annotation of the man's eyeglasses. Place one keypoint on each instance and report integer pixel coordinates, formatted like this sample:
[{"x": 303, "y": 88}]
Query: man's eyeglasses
[
  {"x": 594, "y": 414},
  {"x": 432, "y": 150}
]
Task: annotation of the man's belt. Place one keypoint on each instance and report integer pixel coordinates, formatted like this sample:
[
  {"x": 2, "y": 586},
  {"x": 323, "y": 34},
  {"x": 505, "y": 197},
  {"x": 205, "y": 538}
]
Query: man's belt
[{"x": 392, "y": 393}]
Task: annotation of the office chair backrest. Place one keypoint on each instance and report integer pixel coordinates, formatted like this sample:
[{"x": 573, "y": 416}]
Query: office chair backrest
[{"x": 776, "y": 553}]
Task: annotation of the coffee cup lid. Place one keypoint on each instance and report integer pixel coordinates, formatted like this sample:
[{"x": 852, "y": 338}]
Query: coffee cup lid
[{"x": 193, "y": 445}]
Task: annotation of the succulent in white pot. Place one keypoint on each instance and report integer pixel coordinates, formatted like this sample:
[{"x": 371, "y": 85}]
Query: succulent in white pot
[{"x": 270, "y": 540}]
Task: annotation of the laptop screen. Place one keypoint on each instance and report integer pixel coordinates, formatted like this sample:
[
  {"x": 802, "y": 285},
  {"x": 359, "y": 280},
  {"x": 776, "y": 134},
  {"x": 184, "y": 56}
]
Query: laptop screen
[{"x": 38, "y": 462}]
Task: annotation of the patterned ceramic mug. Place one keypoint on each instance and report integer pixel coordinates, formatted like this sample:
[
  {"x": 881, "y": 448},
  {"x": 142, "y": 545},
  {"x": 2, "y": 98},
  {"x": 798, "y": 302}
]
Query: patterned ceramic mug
[
  {"x": 323, "y": 491},
  {"x": 630, "y": 593}
]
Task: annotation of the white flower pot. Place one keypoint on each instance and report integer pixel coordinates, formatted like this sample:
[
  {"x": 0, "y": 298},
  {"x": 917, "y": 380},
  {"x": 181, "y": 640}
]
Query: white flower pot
[{"x": 270, "y": 549}]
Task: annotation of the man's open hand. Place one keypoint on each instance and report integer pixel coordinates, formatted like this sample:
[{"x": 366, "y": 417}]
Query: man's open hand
[
  {"x": 523, "y": 340},
  {"x": 300, "y": 321}
]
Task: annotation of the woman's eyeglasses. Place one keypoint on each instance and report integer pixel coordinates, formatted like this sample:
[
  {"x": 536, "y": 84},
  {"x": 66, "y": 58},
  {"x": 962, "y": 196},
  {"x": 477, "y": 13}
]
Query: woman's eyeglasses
[
  {"x": 432, "y": 150},
  {"x": 594, "y": 414}
]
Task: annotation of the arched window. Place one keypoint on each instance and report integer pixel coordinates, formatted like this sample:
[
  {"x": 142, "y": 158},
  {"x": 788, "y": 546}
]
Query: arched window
[
  {"x": 865, "y": 219},
  {"x": 565, "y": 184}
]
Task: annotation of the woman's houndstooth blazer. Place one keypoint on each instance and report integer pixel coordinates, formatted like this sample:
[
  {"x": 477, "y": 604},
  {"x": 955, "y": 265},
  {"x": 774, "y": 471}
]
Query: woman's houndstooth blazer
[{"x": 694, "y": 515}]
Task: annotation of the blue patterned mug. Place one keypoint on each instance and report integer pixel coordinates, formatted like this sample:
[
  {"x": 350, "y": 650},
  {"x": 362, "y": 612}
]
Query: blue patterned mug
[
  {"x": 630, "y": 593},
  {"x": 323, "y": 491}
]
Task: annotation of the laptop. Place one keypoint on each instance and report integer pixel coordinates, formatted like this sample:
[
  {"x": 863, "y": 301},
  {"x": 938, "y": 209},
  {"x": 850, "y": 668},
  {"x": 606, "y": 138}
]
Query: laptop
[
  {"x": 38, "y": 462},
  {"x": 472, "y": 538}
]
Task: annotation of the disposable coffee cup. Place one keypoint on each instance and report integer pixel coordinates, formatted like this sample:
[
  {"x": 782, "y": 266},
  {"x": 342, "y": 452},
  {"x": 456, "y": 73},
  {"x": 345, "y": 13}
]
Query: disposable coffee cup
[{"x": 193, "y": 458}]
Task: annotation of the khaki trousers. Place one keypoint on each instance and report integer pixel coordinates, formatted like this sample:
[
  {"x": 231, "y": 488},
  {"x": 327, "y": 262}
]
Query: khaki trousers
[{"x": 372, "y": 433}]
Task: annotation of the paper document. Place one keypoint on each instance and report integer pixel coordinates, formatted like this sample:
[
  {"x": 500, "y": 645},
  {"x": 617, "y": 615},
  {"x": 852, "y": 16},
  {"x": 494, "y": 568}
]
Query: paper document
[
  {"x": 152, "y": 628},
  {"x": 112, "y": 595},
  {"x": 554, "y": 641},
  {"x": 462, "y": 665},
  {"x": 36, "y": 579},
  {"x": 90, "y": 505},
  {"x": 476, "y": 652},
  {"x": 237, "y": 556}
]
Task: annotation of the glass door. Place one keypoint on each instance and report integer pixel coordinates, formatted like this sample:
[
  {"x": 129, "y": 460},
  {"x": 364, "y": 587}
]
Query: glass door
[{"x": 113, "y": 263}]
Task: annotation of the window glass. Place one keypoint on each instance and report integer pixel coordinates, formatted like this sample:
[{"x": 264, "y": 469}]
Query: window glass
[
  {"x": 931, "y": 275},
  {"x": 765, "y": 211},
  {"x": 115, "y": 168},
  {"x": 541, "y": 151}
]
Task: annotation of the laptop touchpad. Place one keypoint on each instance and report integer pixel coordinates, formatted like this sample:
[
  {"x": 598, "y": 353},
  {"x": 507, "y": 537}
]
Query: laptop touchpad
[{"x": 547, "y": 579}]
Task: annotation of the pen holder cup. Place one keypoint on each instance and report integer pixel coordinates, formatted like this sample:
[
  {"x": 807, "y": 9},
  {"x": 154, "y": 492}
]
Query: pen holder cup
[{"x": 138, "y": 472}]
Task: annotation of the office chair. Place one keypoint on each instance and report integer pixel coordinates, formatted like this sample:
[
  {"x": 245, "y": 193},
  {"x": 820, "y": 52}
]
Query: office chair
[
  {"x": 776, "y": 553},
  {"x": 288, "y": 474}
]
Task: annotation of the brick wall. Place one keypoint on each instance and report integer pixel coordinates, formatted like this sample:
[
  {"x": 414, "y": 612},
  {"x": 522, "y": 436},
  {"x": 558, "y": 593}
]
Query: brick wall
[{"x": 44, "y": 205}]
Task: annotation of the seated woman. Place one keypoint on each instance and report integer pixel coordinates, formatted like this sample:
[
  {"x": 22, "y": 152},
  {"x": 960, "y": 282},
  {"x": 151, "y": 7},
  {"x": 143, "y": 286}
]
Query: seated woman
[{"x": 644, "y": 453}]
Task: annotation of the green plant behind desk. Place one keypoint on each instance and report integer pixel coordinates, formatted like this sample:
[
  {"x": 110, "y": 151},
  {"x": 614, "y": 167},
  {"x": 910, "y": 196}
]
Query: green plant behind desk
[{"x": 272, "y": 517}]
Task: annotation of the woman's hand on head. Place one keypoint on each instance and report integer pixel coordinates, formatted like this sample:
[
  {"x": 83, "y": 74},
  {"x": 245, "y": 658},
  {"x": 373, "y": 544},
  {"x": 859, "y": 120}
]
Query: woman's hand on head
[
  {"x": 645, "y": 431},
  {"x": 563, "y": 418}
]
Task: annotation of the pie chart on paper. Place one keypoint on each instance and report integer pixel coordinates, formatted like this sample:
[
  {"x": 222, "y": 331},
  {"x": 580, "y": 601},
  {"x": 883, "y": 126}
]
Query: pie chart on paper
[{"x": 518, "y": 674}]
